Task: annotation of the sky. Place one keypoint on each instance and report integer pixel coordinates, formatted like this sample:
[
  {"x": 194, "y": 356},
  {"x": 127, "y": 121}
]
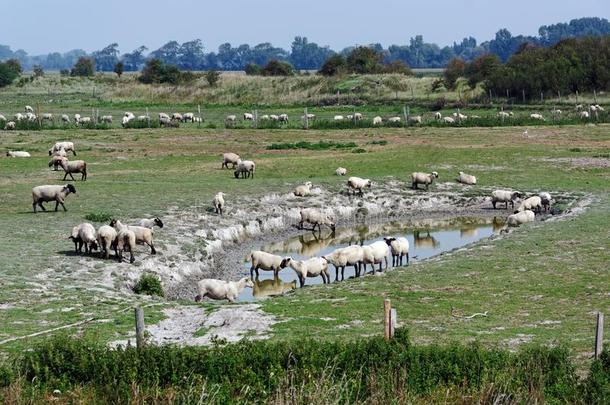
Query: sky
[{"x": 41, "y": 26}]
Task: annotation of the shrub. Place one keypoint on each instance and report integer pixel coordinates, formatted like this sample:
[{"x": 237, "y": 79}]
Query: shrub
[
  {"x": 399, "y": 67},
  {"x": 364, "y": 60},
  {"x": 453, "y": 71},
  {"x": 321, "y": 145},
  {"x": 84, "y": 67},
  {"x": 212, "y": 76},
  {"x": 157, "y": 71},
  {"x": 438, "y": 104},
  {"x": 38, "y": 71},
  {"x": 333, "y": 66},
  {"x": 252, "y": 69},
  {"x": 98, "y": 216},
  {"x": 64, "y": 72},
  {"x": 148, "y": 284},
  {"x": 15, "y": 65},
  {"x": 7, "y": 75},
  {"x": 119, "y": 68},
  {"x": 278, "y": 68}
]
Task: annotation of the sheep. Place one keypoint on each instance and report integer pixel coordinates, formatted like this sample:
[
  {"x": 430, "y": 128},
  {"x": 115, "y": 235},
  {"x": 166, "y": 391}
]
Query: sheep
[
  {"x": 416, "y": 119},
  {"x": 264, "y": 117},
  {"x": 533, "y": 203},
  {"x": 448, "y": 120},
  {"x": 316, "y": 218},
  {"x": 248, "y": 117},
  {"x": 537, "y": 116},
  {"x": 48, "y": 193},
  {"x": 188, "y": 117},
  {"x": 143, "y": 118},
  {"x": 230, "y": 157},
  {"x": 358, "y": 184},
  {"x": 314, "y": 267},
  {"x": 2, "y": 118},
  {"x": 592, "y": 108},
  {"x": 126, "y": 240},
  {"x": 150, "y": 223},
  {"x": 230, "y": 120},
  {"x": 29, "y": 109},
  {"x": 219, "y": 202},
  {"x": 422, "y": 178},
  {"x": 303, "y": 190},
  {"x": 75, "y": 238},
  {"x": 56, "y": 161},
  {"x": 245, "y": 168},
  {"x": 438, "y": 116},
  {"x": 164, "y": 116},
  {"x": 599, "y": 107},
  {"x": 338, "y": 118},
  {"x": 222, "y": 290},
  {"x": 274, "y": 117},
  {"x": 309, "y": 116},
  {"x": 65, "y": 118},
  {"x": 584, "y": 115},
  {"x": 106, "y": 119},
  {"x": 65, "y": 145},
  {"x": 358, "y": 116},
  {"x": 31, "y": 117},
  {"x": 10, "y": 126},
  {"x": 503, "y": 114},
  {"x": 86, "y": 236},
  {"x": 75, "y": 166},
  {"x": 375, "y": 253},
  {"x": 468, "y": 179},
  {"x": 545, "y": 199},
  {"x": 47, "y": 117},
  {"x": 18, "y": 117},
  {"x": 520, "y": 218},
  {"x": 348, "y": 256},
  {"x": 377, "y": 120},
  {"x": 267, "y": 261},
  {"x": 76, "y": 118},
  {"x": 579, "y": 107},
  {"x": 85, "y": 121},
  {"x": 283, "y": 118},
  {"x": 176, "y": 117},
  {"x": 198, "y": 119},
  {"x": 341, "y": 171},
  {"x": 394, "y": 119},
  {"x": 556, "y": 112},
  {"x": 126, "y": 120},
  {"x": 107, "y": 239},
  {"x": 399, "y": 247},
  {"x": 459, "y": 116},
  {"x": 18, "y": 154},
  {"x": 142, "y": 234},
  {"x": 504, "y": 196}
]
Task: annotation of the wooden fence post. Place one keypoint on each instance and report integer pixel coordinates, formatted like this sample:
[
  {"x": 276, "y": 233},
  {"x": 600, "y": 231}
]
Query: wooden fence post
[
  {"x": 199, "y": 111},
  {"x": 387, "y": 318},
  {"x": 393, "y": 321},
  {"x": 523, "y": 93},
  {"x": 595, "y": 96},
  {"x": 139, "y": 312},
  {"x": 306, "y": 119},
  {"x": 599, "y": 335}
]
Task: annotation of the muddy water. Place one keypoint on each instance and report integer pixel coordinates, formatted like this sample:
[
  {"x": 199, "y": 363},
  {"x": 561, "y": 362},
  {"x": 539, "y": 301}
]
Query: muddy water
[{"x": 425, "y": 240}]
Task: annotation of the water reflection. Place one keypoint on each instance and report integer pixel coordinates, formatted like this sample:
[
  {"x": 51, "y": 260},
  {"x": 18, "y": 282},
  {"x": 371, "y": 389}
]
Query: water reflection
[{"x": 272, "y": 288}]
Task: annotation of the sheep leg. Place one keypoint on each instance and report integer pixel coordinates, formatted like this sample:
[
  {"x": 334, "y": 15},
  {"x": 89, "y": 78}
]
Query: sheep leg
[
  {"x": 131, "y": 257},
  {"x": 72, "y": 177},
  {"x": 336, "y": 273},
  {"x": 252, "y": 272},
  {"x": 493, "y": 203},
  {"x": 41, "y": 206},
  {"x": 84, "y": 176},
  {"x": 153, "y": 251},
  {"x": 302, "y": 280},
  {"x": 342, "y": 273},
  {"x": 56, "y": 205}
]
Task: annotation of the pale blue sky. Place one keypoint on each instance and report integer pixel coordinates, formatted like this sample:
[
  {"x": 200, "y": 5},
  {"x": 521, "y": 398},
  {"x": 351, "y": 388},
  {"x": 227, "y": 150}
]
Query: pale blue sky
[{"x": 40, "y": 26}]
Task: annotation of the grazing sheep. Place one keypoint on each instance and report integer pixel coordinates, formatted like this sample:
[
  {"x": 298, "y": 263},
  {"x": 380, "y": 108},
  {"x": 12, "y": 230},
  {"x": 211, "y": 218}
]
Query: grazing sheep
[
  {"x": 176, "y": 117},
  {"x": 533, "y": 203},
  {"x": 48, "y": 193},
  {"x": 264, "y": 117},
  {"x": 338, "y": 118},
  {"x": 84, "y": 235},
  {"x": 267, "y": 261},
  {"x": 274, "y": 117},
  {"x": 76, "y": 118},
  {"x": 579, "y": 107},
  {"x": 106, "y": 119},
  {"x": 303, "y": 190},
  {"x": 74, "y": 166},
  {"x": 283, "y": 118},
  {"x": 143, "y": 118},
  {"x": 448, "y": 120},
  {"x": 358, "y": 184},
  {"x": 65, "y": 145},
  {"x": 556, "y": 112},
  {"x": 422, "y": 178},
  {"x": 143, "y": 235},
  {"x": 188, "y": 117},
  {"x": 399, "y": 247},
  {"x": 10, "y": 126},
  {"x": 545, "y": 199},
  {"x": 107, "y": 239},
  {"x": 520, "y": 218},
  {"x": 309, "y": 116},
  {"x": 416, "y": 119},
  {"x": 65, "y": 118},
  {"x": 460, "y": 116},
  {"x": 126, "y": 240},
  {"x": 230, "y": 157},
  {"x": 317, "y": 218},
  {"x": 126, "y": 120},
  {"x": 18, "y": 117},
  {"x": 438, "y": 116},
  {"x": 377, "y": 120},
  {"x": 150, "y": 223},
  {"x": 504, "y": 196},
  {"x": 230, "y": 120},
  {"x": 56, "y": 161},
  {"x": 248, "y": 117},
  {"x": 18, "y": 154},
  {"x": 341, "y": 171},
  {"x": 358, "y": 116},
  {"x": 2, "y": 118},
  {"x": 245, "y": 168},
  {"x": 466, "y": 179},
  {"x": 314, "y": 267},
  {"x": 31, "y": 117},
  {"x": 48, "y": 117},
  {"x": 164, "y": 116},
  {"x": 348, "y": 256},
  {"x": 394, "y": 119},
  {"x": 84, "y": 121},
  {"x": 503, "y": 114},
  {"x": 584, "y": 115},
  {"x": 219, "y": 202},
  {"x": 222, "y": 290},
  {"x": 29, "y": 109},
  {"x": 375, "y": 253},
  {"x": 537, "y": 116}
]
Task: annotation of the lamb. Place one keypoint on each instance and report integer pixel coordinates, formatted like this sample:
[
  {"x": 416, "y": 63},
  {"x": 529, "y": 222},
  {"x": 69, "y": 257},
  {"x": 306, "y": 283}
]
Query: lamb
[
  {"x": 422, "y": 178},
  {"x": 18, "y": 154},
  {"x": 303, "y": 190},
  {"x": 219, "y": 202},
  {"x": 375, "y": 253},
  {"x": 188, "y": 117},
  {"x": 466, "y": 179},
  {"x": 48, "y": 193},
  {"x": 150, "y": 223},
  {"x": 317, "y": 218},
  {"x": 358, "y": 184},
  {"x": 142, "y": 234},
  {"x": 520, "y": 218},
  {"x": 248, "y": 117},
  {"x": 75, "y": 166},
  {"x": 348, "y": 256},
  {"x": 65, "y": 118},
  {"x": 29, "y": 109},
  {"x": 85, "y": 235},
  {"x": 267, "y": 261},
  {"x": 222, "y": 290},
  {"x": 377, "y": 120},
  {"x": 107, "y": 239},
  {"x": 314, "y": 267},
  {"x": 533, "y": 203},
  {"x": 65, "y": 145},
  {"x": 504, "y": 196},
  {"x": 245, "y": 168},
  {"x": 545, "y": 199},
  {"x": 399, "y": 247},
  {"x": 126, "y": 240},
  {"x": 230, "y": 157},
  {"x": 106, "y": 119},
  {"x": 448, "y": 120},
  {"x": 10, "y": 126},
  {"x": 341, "y": 171},
  {"x": 537, "y": 116}
]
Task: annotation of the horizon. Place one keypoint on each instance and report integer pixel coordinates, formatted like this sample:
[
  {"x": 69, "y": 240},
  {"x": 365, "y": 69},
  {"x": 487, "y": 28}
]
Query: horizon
[{"x": 276, "y": 25}]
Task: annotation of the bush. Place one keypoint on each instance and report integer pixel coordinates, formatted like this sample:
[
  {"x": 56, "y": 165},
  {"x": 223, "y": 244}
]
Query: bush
[
  {"x": 7, "y": 74},
  {"x": 84, "y": 67},
  {"x": 364, "y": 60},
  {"x": 453, "y": 71},
  {"x": 278, "y": 68},
  {"x": 333, "y": 66},
  {"x": 438, "y": 104},
  {"x": 321, "y": 145},
  {"x": 38, "y": 71},
  {"x": 15, "y": 65},
  {"x": 119, "y": 68},
  {"x": 148, "y": 284},
  {"x": 399, "y": 67},
  {"x": 157, "y": 71},
  {"x": 212, "y": 76},
  {"x": 64, "y": 72},
  {"x": 252, "y": 69},
  {"x": 98, "y": 216}
]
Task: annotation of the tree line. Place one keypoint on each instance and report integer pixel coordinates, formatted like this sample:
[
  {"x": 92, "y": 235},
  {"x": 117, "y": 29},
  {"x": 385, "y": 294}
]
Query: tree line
[{"x": 303, "y": 54}]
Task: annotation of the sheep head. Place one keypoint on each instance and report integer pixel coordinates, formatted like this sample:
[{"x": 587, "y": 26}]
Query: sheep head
[
  {"x": 158, "y": 222},
  {"x": 435, "y": 174},
  {"x": 70, "y": 188},
  {"x": 389, "y": 241},
  {"x": 198, "y": 298},
  {"x": 285, "y": 262},
  {"x": 248, "y": 282},
  {"x": 515, "y": 195},
  {"x": 113, "y": 222}
]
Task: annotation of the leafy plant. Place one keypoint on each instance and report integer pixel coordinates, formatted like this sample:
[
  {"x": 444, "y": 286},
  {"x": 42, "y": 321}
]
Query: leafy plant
[{"x": 148, "y": 284}]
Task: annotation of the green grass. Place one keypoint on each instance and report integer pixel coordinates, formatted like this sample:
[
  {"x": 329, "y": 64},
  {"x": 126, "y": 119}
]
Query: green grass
[{"x": 321, "y": 145}]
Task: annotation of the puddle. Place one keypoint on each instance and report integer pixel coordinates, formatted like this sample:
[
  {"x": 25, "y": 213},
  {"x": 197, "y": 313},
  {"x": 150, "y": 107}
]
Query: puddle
[{"x": 425, "y": 241}]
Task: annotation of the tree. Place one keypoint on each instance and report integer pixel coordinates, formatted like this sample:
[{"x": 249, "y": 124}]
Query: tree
[
  {"x": 15, "y": 65},
  {"x": 480, "y": 69},
  {"x": 453, "y": 71},
  {"x": 397, "y": 66},
  {"x": 334, "y": 65},
  {"x": 364, "y": 60},
  {"x": 106, "y": 58},
  {"x": 119, "y": 67},
  {"x": 8, "y": 74},
  {"x": 134, "y": 60},
  {"x": 190, "y": 55},
  {"x": 156, "y": 71},
  {"x": 38, "y": 71},
  {"x": 83, "y": 67},
  {"x": 168, "y": 53},
  {"x": 212, "y": 76},
  {"x": 278, "y": 68},
  {"x": 252, "y": 69}
]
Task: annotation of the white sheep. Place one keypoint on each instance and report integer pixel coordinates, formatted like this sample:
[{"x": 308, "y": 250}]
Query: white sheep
[
  {"x": 358, "y": 116},
  {"x": 556, "y": 112},
  {"x": 126, "y": 240},
  {"x": 274, "y": 117},
  {"x": 350, "y": 117},
  {"x": 143, "y": 235},
  {"x": 219, "y": 202},
  {"x": 584, "y": 115},
  {"x": 504, "y": 196},
  {"x": 520, "y": 218},
  {"x": 176, "y": 117},
  {"x": 85, "y": 121},
  {"x": 48, "y": 193},
  {"x": 394, "y": 120},
  {"x": 65, "y": 145},
  {"x": 106, "y": 119},
  {"x": 222, "y": 290},
  {"x": 188, "y": 117},
  {"x": 65, "y": 118},
  {"x": 317, "y": 218},
  {"x": 126, "y": 120},
  {"x": 245, "y": 168},
  {"x": 264, "y": 117},
  {"x": 74, "y": 166},
  {"x": 341, "y": 171},
  {"x": 143, "y": 118},
  {"x": 230, "y": 120},
  {"x": 267, "y": 261},
  {"x": 545, "y": 200},
  {"x": 377, "y": 120},
  {"x": 107, "y": 239},
  {"x": 438, "y": 116},
  {"x": 532, "y": 203},
  {"x": 537, "y": 116},
  {"x": 314, "y": 267},
  {"x": 416, "y": 119},
  {"x": 76, "y": 118},
  {"x": 150, "y": 223},
  {"x": 375, "y": 253},
  {"x": 18, "y": 117},
  {"x": 358, "y": 184},
  {"x": 47, "y": 117},
  {"x": 85, "y": 235},
  {"x": 399, "y": 247},
  {"x": 2, "y": 118},
  {"x": 31, "y": 117},
  {"x": 29, "y": 109},
  {"x": 348, "y": 256},
  {"x": 503, "y": 114},
  {"x": 248, "y": 117},
  {"x": 283, "y": 118},
  {"x": 338, "y": 118},
  {"x": 579, "y": 107},
  {"x": 230, "y": 157},
  {"x": 164, "y": 116},
  {"x": 303, "y": 190},
  {"x": 10, "y": 126},
  {"x": 18, "y": 154},
  {"x": 468, "y": 179},
  {"x": 422, "y": 178},
  {"x": 448, "y": 120}
]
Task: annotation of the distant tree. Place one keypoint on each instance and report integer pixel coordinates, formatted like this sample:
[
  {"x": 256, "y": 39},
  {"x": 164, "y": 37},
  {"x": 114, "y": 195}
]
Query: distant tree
[
  {"x": 168, "y": 53},
  {"x": 278, "y": 68},
  {"x": 453, "y": 71},
  {"x": 38, "y": 71},
  {"x": 308, "y": 55},
  {"x": 119, "y": 67},
  {"x": 334, "y": 65},
  {"x": 190, "y": 55},
  {"x": 156, "y": 71},
  {"x": 8, "y": 74},
  {"x": 106, "y": 58},
  {"x": 364, "y": 60},
  {"x": 83, "y": 67},
  {"x": 252, "y": 69},
  {"x": 480, "y": 69},
  {"x": 64, "y": 72},
  {"x": 397, "y": 66},
  {"x": 134, "y": 60},
  {"x": 212, "y": 76},
  {"x": 15, "y": 65}
]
